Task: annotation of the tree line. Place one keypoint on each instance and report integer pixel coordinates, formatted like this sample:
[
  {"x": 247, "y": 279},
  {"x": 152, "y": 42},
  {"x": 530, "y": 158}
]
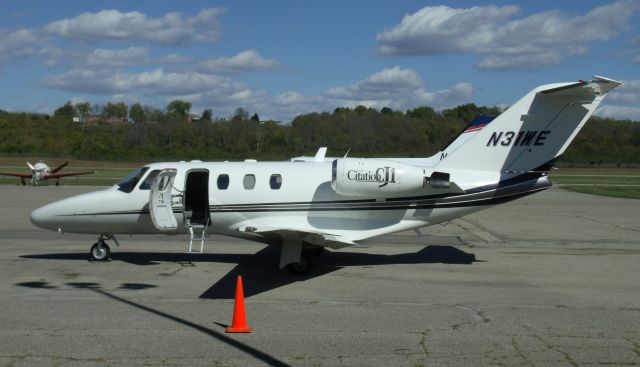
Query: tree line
[{"x": 362, "y": 131}]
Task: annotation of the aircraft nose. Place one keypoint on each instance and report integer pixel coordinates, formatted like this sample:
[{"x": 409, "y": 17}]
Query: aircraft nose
[{"x": 44, "y": 217}]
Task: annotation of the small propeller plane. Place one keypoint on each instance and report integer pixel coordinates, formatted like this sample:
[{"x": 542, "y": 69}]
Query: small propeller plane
[
  {"x": 41, "y": 171},
  {"x": 310, "y": 203}
]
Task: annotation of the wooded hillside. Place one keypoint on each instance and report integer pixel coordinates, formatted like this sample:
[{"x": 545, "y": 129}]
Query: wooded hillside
[{"x": 364, "y": 131}]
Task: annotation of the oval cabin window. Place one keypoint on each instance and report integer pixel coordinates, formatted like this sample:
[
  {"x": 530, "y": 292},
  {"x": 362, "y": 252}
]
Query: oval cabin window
[
  {"x": 223, "y": 182},
  {"x": 275, "y": 181},
  {"x": 249, "y": 181}
]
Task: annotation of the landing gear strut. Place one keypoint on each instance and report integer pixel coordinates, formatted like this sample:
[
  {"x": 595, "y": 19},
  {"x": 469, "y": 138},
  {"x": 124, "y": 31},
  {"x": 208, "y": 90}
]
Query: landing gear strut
[
  {"x": 100, "y": 251},
  {"x": 297, "y": 256}
]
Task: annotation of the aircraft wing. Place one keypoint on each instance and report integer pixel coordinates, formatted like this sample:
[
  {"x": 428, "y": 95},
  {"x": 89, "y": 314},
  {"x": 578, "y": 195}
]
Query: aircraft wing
[
  {"x": 316, "y": 238},
  {"x": 58, "y": 175},
  {"x": 55, "y": 170},
  {"x": 22, "y": 175}
]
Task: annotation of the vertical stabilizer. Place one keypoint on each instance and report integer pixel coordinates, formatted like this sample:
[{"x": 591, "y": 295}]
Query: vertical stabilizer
[{"x": 533, "y": 132}]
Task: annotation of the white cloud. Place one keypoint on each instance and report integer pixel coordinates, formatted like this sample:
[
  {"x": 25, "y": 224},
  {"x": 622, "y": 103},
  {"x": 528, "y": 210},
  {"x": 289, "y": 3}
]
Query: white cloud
[
  {"x": 395, "y": 87},
  {"x": 623, "y": 102},
  {"x": 172, "y": 29},
  {"x": 245, "y": 61},
  {"x": 532, "y": 42},
  {"x": 619, "y": 112},
  {"x": 399, "y": 89},
  {"x": 154, "y": 82},
  {"x": 108, "y": 57},
  {"x": 172, "y": 59},
  {"x": 16, "y": 45},
  {"x": 289, "y": 98},
  {"x": 102, "y": 57},
  {"x": 441, "y": 29}
]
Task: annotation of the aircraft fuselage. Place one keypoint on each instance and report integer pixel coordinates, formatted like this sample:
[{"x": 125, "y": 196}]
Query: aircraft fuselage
[{"x": 266, "y": 194}]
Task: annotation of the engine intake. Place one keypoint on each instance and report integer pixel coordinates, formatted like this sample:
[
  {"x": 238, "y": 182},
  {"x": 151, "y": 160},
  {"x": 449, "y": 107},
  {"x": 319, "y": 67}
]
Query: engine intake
[{"x": 439, "y": 180}]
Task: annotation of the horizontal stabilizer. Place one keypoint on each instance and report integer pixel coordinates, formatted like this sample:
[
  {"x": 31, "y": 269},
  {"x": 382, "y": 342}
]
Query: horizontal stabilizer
[{"x": 598, "y": 86}]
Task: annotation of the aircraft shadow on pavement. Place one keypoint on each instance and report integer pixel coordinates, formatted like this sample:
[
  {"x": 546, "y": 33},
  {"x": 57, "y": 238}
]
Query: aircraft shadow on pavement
[{"x": 259, "y": 270}]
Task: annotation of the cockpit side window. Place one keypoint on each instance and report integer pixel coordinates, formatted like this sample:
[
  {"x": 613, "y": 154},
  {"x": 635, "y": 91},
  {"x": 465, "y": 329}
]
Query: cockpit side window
[
  {"x": 146, "y": 184},
  {"x": 128, "y": 183}
]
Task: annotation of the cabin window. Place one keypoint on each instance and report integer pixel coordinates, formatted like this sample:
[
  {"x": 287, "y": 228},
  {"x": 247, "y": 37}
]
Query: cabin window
[
  {"x": 275, "y": 181},
  {"x": 249, "y": 181},
  {"x": 146, "y": 184},
  {"x": 223, "y": 182},
  {"x": 128, "y": 183},
  {"x": 164, "y": 183}
]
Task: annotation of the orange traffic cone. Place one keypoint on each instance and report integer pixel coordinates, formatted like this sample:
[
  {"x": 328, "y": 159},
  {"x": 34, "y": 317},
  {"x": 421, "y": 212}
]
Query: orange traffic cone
[{"x": 239, "y": 324}]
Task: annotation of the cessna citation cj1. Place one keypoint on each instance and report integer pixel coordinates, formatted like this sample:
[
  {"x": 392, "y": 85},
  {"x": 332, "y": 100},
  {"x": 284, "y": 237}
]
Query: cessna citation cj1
[{"x": 315, "y": 202}]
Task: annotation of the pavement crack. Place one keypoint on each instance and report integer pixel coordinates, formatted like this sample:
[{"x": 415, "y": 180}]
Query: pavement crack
[
  {"x": 182, "y": 266},
  {"x": 478, "y": 313},
  {"x": 635, "y": 345},
  {"x": 423, "y": 343},
  {"x": 520, "y": 351},
  {"x": 564, "y": 354},
  {"x": 614, "y": 225}
]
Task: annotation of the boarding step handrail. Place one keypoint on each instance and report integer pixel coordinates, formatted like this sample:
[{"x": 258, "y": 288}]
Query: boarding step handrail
[{"x": 191, "y": 232}]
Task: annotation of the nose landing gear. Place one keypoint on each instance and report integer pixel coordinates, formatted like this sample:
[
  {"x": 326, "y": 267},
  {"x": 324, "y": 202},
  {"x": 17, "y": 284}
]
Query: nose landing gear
[{"x": 100, "y": 251}]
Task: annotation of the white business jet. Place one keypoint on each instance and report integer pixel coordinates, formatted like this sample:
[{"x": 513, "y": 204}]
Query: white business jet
[{"x": 315, "y": 202}]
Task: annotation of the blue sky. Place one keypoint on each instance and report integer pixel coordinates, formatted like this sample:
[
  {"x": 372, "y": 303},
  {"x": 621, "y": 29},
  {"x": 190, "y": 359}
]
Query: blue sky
[{"x": 283, "y": 58}]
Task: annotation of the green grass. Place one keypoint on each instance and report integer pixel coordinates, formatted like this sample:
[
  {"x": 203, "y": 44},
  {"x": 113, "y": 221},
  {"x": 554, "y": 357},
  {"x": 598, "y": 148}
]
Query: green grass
[
  {"x": 620, "y": 186},
  {"x": 596, "y": 179},
  {"x": 627, "y": 192}
]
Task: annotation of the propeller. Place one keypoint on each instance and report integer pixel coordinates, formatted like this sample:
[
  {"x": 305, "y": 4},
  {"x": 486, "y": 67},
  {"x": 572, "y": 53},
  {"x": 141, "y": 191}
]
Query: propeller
[{"x": 33, "y": 169}]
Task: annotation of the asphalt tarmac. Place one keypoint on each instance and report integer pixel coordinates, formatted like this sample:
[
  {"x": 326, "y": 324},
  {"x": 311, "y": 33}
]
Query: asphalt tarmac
[{"x": 551, "y": 279}]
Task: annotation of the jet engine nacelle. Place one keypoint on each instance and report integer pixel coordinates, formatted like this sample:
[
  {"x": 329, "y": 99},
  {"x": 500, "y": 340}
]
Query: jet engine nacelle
[{"x": 375, "y": 177}]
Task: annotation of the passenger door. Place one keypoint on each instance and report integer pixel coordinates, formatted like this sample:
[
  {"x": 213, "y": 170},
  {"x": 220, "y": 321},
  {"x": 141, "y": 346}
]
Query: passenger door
[{"x": 160, "y": 201}]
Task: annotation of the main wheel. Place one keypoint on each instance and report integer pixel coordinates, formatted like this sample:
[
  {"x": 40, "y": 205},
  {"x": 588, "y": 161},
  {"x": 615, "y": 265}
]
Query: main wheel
[
  {"x": 100, "y": 251},
  {"x": 303, "y": 267},
  {"x": 313, "y": 251}
]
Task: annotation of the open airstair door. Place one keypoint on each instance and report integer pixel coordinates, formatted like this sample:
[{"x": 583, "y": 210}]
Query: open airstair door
[
  {"x": 196, "y": 206},
  {"x": 160, "y": 201}
]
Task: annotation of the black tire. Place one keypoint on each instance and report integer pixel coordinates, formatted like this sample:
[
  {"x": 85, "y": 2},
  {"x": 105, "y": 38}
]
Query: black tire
[
  {"x": 100, "y": 252},
  {"x": 313, "y": 251},
  {"x": 303, "y": 267}
]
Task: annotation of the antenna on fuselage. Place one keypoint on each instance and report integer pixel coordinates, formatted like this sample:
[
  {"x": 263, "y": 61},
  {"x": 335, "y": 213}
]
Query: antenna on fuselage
[{"x": 347, "y": 153}]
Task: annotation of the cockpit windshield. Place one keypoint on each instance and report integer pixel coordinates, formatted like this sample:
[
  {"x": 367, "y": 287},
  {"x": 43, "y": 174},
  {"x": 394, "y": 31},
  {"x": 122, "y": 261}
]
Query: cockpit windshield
[{"x": 128, "y": 183}]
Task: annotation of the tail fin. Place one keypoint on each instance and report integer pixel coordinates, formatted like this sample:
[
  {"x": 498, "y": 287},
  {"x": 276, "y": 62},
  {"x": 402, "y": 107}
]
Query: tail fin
[
  {"x": 533, "y": 132},
  {"x": 477, "y": 124}
]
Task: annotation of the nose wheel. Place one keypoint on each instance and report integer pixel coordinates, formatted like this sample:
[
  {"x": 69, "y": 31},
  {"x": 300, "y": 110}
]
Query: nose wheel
[{"x": 100, "y": 251}]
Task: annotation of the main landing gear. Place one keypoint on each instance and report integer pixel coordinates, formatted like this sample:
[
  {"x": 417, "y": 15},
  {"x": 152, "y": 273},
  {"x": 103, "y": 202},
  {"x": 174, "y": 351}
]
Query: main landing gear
[
  {"x": 100, "y": 251},
  {"x": 298, "y": 257}
]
